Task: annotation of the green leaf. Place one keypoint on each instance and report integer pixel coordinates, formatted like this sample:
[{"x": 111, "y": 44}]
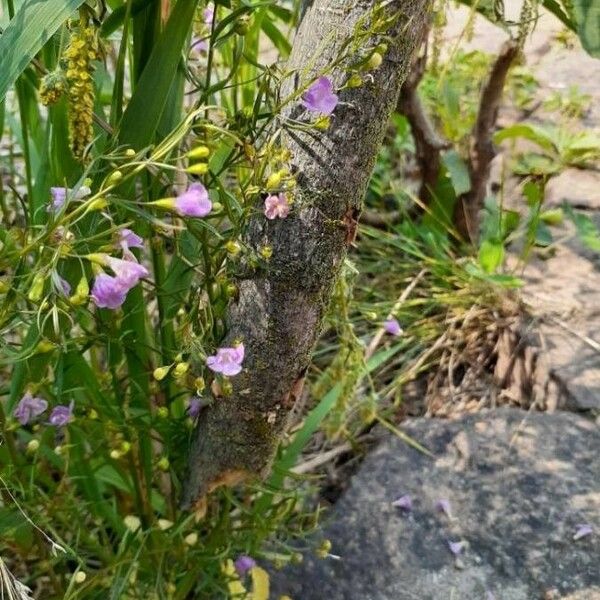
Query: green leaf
[
  {"x": 587, "y": 13},
  {"x": 458, "y": 172},
  {"x": 491, "y": 255},
  {"x": 587, "y": 231},
  {"x": 147, "y": 104},
  {"x": 32, "y": 26}
]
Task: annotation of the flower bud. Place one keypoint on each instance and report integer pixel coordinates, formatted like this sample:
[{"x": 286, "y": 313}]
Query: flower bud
[
  {"x": 161, "y": 372},
  {"x": 233, "y": 248},
  {"x": 198, "y": 152},
  {"x": 274, "y": 181},
  {"x": 130, "y": 153},
  {"x": 200, "y": 384},
  {"x": 80, "y": 577},
  {"x": 164, "y": 524},
  {"x": 115, "y": 454},
  {"x": 37, "y": 287},
  {"x": 191, "y": 539},
  {"x": 266, "y": 252},
  {"x": 181, "y": 369},
  {"x": 114, "y": 177},
  {"x": 354, "y": 81},
  {"x": 163, "y": 464},
  {"x": 374, "y": 61},
  {"x": 44, "y": 346},
  {"x": 198, "y": 169},
  {"x": 162, "y": 412},
  {"x": 132, "y": 523},
  {"x": 324, "y": 549},
  {"x": 322, "y": 123},
  {"x": 32, "y": 446}
]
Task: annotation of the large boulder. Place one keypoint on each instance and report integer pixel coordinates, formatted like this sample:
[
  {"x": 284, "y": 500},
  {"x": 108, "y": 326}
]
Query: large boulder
[{"x": 519, "y": 486}]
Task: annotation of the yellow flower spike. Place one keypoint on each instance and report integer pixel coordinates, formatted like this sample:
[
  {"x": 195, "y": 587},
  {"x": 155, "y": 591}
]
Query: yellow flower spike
[
  {"x": 37, "y": 287},
  {"x": 197, "y": 169},
  {"x": 181, "y": 369},
  {"x": 198, "y": 153},
  {"x": 260, "y": 584},
  {"x": 161, "y": 372}
]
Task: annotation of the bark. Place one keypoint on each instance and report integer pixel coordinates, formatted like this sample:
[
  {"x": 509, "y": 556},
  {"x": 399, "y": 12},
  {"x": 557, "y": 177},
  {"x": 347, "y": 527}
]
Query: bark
[
  {"x": 280, "y": 309},
  {"x": 482, "y": 152}
]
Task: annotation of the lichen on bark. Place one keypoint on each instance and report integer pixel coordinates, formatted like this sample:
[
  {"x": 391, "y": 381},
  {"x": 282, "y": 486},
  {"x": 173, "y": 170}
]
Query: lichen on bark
[{"x": 279, "y": 311}]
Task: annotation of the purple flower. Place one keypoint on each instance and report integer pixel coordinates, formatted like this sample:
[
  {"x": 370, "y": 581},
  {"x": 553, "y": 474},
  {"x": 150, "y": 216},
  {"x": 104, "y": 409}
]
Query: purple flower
[
  {"x": 61, "y": 415},
  {"x": 583, "y": 530},
  {"x": 243, "y": 564},
  {"x": 208, "y": 14},
  {"x": 227, "y": 361},
  {"x": 29, "y": 408},
  {"x": 456, "y": 547},
  {"x": 129, "y": 239},
  {"x": 404, "y": 503},
  {"x": 108, "y": 292},
  {"x": 199, "y": 45},
  {"x": 194, "y": 202},
  {"x": 277, "y": 206},
  {"x": 443, "y": 506},
  {"x": 129, "y": 272},
  {"x": 319, "y": 97},
  {"x": 392, "y": 327},
  {"x": 59, "y": 196},
  {"x": 195, "y": 406},
  {"x": 63, "y": 285}
]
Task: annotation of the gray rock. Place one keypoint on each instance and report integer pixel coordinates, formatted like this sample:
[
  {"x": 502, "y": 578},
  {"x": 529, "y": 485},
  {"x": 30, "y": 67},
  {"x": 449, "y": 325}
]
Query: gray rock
[{"x": 519, "y": 483}]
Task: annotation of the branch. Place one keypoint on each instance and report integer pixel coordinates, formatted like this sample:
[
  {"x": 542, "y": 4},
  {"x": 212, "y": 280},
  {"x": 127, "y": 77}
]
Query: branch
[
  {"x": 468, "y": 206},
  {"x": 280, "y": 309},
  {"x": 428, "y": 144}
]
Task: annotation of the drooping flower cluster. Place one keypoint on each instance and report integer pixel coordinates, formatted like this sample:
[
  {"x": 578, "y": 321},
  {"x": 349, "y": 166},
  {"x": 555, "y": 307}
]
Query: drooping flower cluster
[{"x": 82, "y": 51}]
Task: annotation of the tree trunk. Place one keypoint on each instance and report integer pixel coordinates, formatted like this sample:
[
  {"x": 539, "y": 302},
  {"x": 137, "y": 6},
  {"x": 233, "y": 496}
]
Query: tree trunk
[{"x": 279, "y": 311}]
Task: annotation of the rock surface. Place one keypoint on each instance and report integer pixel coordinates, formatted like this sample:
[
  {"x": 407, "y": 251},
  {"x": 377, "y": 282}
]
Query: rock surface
[{"x": 518, "y": 483}]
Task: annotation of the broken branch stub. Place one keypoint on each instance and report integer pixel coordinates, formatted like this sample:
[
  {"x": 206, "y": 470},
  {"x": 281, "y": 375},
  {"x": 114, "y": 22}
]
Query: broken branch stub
[{"x": 280, "y": 308}]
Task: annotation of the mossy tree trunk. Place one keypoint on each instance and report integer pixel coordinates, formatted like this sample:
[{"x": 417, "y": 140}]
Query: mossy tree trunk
[{"x": 279, "y": 311}]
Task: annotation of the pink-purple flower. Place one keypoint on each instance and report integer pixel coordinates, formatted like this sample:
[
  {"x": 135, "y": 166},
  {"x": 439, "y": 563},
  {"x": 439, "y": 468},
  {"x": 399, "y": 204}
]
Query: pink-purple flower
[
  {"x": 404, "y": 503},
  {"x": 195, "y": 406},
  {"x": 456, "y": 547},
  {"x": 28, "y": 408},
  {"x": 60, "y": 194},
  {"x": 243, "y": 564},
  {"x": 128, "y": 271},
  {"x": 583, "y": 530},
  {"x": 61, "y": 415},
  {"x": 208, "y": 14},
  {"x": 392, "y": 327},
  {"x": 319, "y": 98},
  {"x": 129, "y": 239},
  {"x": 194, "y": 202},
  {"x": 443, "y": 506},
  {"x": 227, "y": 361},
  {"x": 108, "y": 292},
  {"x": 277, "y": 206}
]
